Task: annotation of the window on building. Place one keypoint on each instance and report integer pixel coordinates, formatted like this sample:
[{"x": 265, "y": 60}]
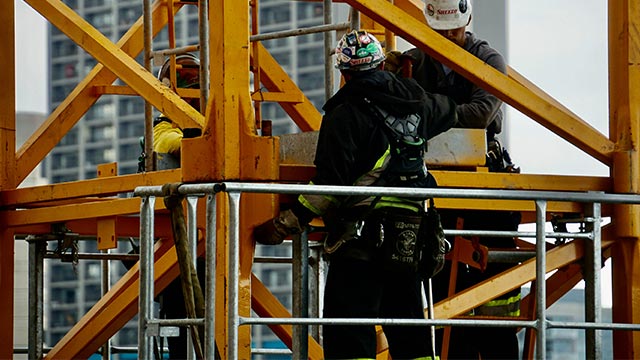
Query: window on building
[
  {"x": 100, "y": 111},
  {"x": 63, "y": 295},
  {"x": 62, "y": 272},
  {"x": 100, "y": 19},
  {"x": 60, "y": 92},
  {"x": 283, "y": 58},
  {"x": 130, "y": 151},
  {"x": 99, "y": 156},
  {"x": 309, "y": 11},
  {"x": 64, "y": 160},
  {"x": 131, "y": 129},
  {"x": 311, "y": 80},
  {"x": 128, "y": 15},
  {"x": 275, "y": 14},
  {"x": 311, "y": 56},
  {"x": 101, "y": 133},
  {"x": 130, "y": 106},
  {"x": 63, "y": 47}
]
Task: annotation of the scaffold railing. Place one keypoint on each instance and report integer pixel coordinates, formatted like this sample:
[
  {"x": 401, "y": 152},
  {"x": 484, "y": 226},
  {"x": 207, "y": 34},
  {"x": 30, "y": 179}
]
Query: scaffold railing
[{"x": 234, "y": 190}]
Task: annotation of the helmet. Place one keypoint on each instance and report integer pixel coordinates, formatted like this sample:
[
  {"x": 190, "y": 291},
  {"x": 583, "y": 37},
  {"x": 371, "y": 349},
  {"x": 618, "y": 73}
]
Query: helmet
[
  {"x": 187, "y": 72},
  {"x": 358, "y": 51},
  {"x": 447, "y": 14}
]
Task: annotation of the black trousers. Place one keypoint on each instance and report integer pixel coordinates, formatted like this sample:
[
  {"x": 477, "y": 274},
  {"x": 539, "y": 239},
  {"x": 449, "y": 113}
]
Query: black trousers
[
  {"x": 487, "y": 342},
  {"x": 358, "y": 288}
]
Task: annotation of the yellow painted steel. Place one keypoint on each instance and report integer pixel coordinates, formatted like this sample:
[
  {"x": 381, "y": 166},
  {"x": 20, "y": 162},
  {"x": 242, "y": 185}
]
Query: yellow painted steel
[
  {"x": 7, "y": 170},
  {"x": 569, "y": 127},
  {"x": 231, "y": 150},
  {"x": 67, "y": 114},
  {"x": 624, "y": 128},
  {"x": 509, "y": 280},
  {"x": 7, "y": 99}
]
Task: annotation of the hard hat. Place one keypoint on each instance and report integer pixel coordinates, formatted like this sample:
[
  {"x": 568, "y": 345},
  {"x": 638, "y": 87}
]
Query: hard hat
[
  {"x": 187, "y": 71},
  {"x": 447, "y": 14},
  {"x": 358, "y": 51}
]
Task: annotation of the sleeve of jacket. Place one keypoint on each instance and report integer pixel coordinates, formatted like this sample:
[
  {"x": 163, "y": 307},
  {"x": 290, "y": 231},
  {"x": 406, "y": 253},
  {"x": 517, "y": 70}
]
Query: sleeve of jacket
[
  {"x": 440, "y": 113},
  {"x": 166, "y": 138},
  {"x": 483, "y": 108},
  {"x": 340, "y": 144}
]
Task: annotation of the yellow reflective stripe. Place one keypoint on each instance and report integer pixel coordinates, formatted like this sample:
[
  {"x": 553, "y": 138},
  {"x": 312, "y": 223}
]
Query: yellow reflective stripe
[
  {"x": 382, "y": 158},
  {"x": 395, "y": 202},
  {"x": 500, "y": 307},
  {"x": 317, "y": 204}
]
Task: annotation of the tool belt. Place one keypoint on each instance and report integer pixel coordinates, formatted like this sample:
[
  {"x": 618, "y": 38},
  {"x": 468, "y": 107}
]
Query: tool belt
[{"x": 402, "y": 239}]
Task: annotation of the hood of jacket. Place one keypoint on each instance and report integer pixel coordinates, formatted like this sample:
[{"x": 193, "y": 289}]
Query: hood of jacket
[{"x": 396, "y": 95}]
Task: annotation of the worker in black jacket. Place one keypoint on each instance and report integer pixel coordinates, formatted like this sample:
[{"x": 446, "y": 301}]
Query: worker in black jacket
[{"x": 354, "y": 148}]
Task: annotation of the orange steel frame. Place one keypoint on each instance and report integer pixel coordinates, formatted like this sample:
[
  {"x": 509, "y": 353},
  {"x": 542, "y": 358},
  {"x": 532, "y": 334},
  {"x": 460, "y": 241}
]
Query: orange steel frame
[{"x": 230, "y": 150}]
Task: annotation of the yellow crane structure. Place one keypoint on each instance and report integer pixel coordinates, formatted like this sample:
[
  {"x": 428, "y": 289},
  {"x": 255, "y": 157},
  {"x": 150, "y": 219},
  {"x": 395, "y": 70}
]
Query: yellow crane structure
[{"x": 231, "y": 149}]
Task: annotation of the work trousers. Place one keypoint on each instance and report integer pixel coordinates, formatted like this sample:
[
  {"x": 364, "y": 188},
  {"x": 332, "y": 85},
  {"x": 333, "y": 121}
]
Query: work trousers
[
  {"x": 486, "y": 342},
  {"x": 357, "y": 288}
]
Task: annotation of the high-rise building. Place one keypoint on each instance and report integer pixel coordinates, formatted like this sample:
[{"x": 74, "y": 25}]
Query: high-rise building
[{"x": 110, "y": 130}]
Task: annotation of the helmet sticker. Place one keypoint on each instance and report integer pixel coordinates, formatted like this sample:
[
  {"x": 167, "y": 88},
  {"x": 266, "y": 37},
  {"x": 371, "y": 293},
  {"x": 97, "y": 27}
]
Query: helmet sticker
[
  {"x": 463, "y": 6},
  {"x": 430, "y": 10}
]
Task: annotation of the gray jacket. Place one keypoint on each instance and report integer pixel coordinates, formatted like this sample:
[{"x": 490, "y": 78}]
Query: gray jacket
[{"x": 477, "y": 108}]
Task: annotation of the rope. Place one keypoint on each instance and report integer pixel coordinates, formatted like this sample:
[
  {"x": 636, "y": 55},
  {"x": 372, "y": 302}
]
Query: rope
[{"x": 191, "y": 290}]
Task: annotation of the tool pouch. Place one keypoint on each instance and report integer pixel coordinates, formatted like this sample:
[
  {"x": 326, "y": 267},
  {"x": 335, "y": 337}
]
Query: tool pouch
[
  {"x": 415, "y": 242},
  {"x": 400, "y": 242},
  {"x": 434, "y": 243}
]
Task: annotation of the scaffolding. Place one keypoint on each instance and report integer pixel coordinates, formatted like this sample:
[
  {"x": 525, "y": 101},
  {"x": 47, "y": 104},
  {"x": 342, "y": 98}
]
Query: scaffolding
[{"x": 237, "y": 152}]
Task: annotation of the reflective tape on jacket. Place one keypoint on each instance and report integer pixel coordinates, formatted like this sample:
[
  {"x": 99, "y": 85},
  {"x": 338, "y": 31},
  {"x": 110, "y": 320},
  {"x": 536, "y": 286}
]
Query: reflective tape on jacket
[{"x": 500, "y": 307}]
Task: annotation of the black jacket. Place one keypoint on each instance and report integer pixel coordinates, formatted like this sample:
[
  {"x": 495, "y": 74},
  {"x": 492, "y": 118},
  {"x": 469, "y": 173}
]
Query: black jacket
[
  {"x": 477, "y": 108},
  {"x": 352, "y": 138}
]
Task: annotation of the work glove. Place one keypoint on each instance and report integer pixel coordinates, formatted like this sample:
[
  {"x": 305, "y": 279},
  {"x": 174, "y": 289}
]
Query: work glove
[
  {"x": 274, "y": 231},
  {"x": 398, "y": 63},
  {"x": 393, "y": 63}
]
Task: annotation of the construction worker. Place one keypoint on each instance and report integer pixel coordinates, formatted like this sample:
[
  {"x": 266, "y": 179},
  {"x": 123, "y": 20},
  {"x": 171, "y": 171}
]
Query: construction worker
[
  {"x": 477, "y": 108},
  {"x": 167, "y": 139},
  {"x": 357, "y": 146},
  {"x": 167, "y": 135}
]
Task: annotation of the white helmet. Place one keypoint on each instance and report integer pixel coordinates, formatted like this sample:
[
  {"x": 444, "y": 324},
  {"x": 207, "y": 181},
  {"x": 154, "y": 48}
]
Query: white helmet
[
  {"x": 358, "y": 51},
  {"x": 447, "y": 14}
]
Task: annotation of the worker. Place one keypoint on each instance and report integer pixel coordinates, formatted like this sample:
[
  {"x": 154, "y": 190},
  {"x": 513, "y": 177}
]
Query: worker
[
  {"x": 167, "y": 135},
  {"x": 358, "y": 146},
  {"x": 167, "y": 140},
  {"x": 476, "y": 108}
]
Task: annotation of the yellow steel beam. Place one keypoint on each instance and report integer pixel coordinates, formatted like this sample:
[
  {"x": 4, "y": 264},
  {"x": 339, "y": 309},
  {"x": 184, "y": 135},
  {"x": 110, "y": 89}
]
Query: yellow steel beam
[
  {"x": 564, "y": 124},
  {"x": 7, "y": 98},
  {"x": 81, "y": 98},
  {"x": 8, "y": 171},
  {"x": 624, "y": 127},
  {"x": 509, "y": 280},
  {"x": 89, "y": 210},
  {"x": 30, "y": 196},
  {"x": 469, "y": 179}
]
